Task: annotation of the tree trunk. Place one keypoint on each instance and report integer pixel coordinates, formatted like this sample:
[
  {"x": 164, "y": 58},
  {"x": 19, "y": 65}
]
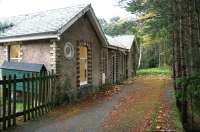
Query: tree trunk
[{"x": 140, "y": 56}]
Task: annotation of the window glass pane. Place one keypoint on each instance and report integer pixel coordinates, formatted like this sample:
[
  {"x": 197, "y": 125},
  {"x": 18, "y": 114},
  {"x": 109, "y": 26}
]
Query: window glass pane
[
  {"x": 83, "y": 64},
  {"x": 83, "y": 52},
  {"x": 82, "y": 70},
  {"x": 14, "y": 51}
]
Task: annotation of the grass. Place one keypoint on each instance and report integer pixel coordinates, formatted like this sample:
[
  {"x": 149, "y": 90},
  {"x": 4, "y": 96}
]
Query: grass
[
  {"x": 163, "y": 71},
  {"x": 19, "y": 107},
  {"x": 176, "y": 119}
]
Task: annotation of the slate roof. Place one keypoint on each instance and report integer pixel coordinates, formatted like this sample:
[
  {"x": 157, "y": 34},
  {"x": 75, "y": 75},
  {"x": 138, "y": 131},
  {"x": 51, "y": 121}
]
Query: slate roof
[
  {"x": 49, "y": 24},
  {"x": 40, "y": 22},
  {"x": 121, "y": 41},
  {"x": 22, "y": 66}
]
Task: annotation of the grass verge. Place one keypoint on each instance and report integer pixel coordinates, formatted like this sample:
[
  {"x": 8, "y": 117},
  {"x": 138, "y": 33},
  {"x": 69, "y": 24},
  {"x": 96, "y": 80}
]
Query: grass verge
[
  {"x": 163, "y": 71},
  {"x": 176, "y": 120}
]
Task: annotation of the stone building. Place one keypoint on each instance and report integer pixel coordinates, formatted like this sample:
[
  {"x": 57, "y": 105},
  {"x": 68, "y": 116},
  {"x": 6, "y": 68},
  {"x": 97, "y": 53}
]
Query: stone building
[
  {"x": 69, "y": 41},
  {"x": 122, "y": 58}
]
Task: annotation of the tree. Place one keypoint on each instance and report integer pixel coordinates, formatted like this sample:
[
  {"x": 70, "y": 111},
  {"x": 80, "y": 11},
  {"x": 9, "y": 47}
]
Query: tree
[
  {"x": 4, "y": 26},
  {"x": 175, "y": 26},
  {"x": 154, "y": 18},
  {"x": 117, "y": 26}
]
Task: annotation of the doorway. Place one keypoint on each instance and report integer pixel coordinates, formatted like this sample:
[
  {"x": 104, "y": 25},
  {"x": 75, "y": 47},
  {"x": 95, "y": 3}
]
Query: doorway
[{"x": 114, "y": 69}]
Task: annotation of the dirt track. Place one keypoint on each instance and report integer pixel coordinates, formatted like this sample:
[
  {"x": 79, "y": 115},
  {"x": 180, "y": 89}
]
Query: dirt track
[{"x": 129, "y": 108}]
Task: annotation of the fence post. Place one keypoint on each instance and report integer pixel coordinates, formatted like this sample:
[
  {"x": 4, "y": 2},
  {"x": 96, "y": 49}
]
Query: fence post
[
  {"x": 28, "y": 92},
  {"x": 47, "y": 92},
  {"x": 14, "y": 100},
  {"x": 54, "y": 89},
  {"x": 25, "y": 96},
  {"x": 52, "y": 83},
  {"x": 36, "y": 95},
  {"x": 40, "y": 94},
  {"x": 32, "y": 96},
  {"x": 44, "y": 93},
  {"x": 9, "y": 100},
  {"x": 4, "y": 102}
]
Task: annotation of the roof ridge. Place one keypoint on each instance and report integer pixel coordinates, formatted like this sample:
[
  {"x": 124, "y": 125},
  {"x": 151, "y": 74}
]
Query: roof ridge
[{"x": 38, "y": 12}]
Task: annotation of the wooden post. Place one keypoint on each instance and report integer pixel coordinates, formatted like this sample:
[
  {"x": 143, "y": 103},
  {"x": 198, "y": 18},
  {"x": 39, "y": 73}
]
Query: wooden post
[
  {"x": 52, "y": 83},
  {"x": 28, "y": 92},
  {"x": 45, "y": 91},
  {"x": 36, "y": 95},
  {"x": 25, "y": 96},
  {"x": 33, "y": 95},
  {"x": 54, "y": 89},
  {"x": 14, "y": 100},
  {"x": 40, "y": 94},
  {"x": 47, "y": 99},
  {"x": 4, "y": 102},
  {"x": 9, "y": 101}
]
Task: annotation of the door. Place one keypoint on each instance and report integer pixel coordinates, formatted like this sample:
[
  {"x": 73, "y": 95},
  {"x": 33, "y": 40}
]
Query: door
[
  {"x": 114, "y": 69},
  {"x": 126, "y": 66}
]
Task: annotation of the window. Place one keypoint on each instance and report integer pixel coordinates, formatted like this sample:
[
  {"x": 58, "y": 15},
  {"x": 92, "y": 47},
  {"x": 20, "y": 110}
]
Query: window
[
  {"x": 14, "y": 53},
  {"x": 69, "y": 51},
  {"x": 83, "y": 65}
]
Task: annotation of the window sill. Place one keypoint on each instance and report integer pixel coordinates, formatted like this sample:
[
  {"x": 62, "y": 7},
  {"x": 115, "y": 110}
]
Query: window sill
[
  {"x": 15, "y": 59},
  {"x": 83, "y": 83}
]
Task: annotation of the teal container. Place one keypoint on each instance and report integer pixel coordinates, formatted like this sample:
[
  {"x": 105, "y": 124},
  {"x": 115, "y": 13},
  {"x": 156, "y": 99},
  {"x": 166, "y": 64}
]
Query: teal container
[{"x": 20, "y": 69}]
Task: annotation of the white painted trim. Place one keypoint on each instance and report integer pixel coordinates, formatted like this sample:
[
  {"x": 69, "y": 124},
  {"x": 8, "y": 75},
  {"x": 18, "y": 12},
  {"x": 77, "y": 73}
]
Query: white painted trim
[{"x": 30, "y": 37}]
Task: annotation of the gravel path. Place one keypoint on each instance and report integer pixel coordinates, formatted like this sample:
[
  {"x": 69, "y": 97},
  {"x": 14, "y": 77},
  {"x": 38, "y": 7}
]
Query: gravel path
[{"x": 93, "y": 117}]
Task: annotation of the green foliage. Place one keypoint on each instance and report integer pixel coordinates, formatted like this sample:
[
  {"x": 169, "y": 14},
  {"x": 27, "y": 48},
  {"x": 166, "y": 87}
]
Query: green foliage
[
  {"x": 191, "y": 91},
  {"x": 154, "y": 71},
  {"x": 4, "y": 26},
  {"x": 117, "y": 26},
  {"x": 176, "y": 118},
  {"x": 153, "y": 28},
  {"x": 19, "y": 106}
]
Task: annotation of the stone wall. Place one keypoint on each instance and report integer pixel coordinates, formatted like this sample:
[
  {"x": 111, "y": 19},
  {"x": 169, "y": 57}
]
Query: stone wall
[
  {"x": 36, "y": 52},
  {"x": 30, "y": 52},
  {"x": 51, "y": 54},
  {"x": 3, "y": 55},
  {"x": 81, "y": 31},
  {"x": 120, "y": 65}
]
